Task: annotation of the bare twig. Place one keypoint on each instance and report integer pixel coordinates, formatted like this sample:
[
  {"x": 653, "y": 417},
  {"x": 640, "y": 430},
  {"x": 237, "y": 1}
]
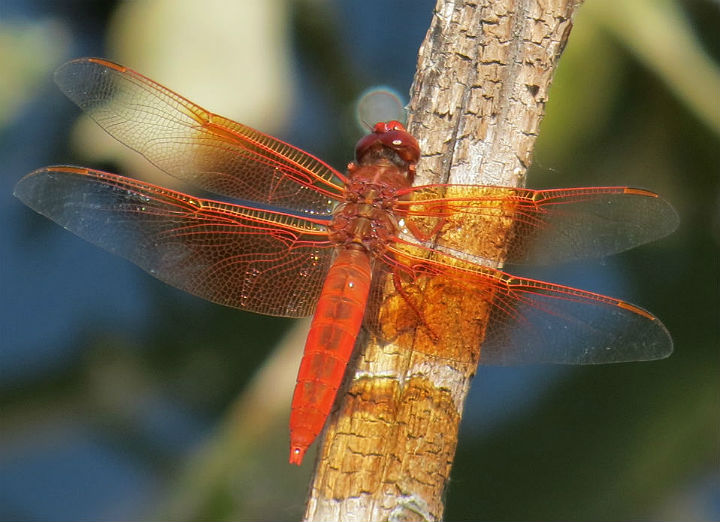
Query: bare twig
[{"x": 479, "y": 94}]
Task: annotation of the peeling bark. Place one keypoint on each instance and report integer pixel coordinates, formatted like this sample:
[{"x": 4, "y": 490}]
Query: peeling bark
[{"x": 479, "y": 95}]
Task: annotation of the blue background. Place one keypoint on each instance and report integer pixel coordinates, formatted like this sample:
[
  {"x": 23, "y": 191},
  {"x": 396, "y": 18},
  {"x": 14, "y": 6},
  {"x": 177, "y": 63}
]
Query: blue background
[{"x": 117, "y": 393}]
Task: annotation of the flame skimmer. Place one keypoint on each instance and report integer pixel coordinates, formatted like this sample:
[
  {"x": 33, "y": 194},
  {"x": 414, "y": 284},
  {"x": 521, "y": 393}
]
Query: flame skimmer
[{"x": 307, "y": 238}]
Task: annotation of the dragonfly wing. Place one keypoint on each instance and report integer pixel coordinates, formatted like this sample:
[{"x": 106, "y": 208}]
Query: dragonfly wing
[
  {"x": 195, "y": 145},
  {"x": 537, "y": 226},
  {"x": 529, "y": 321},
  {"x": 538, "y": 322},
  {"x": 267, "y": 262}
]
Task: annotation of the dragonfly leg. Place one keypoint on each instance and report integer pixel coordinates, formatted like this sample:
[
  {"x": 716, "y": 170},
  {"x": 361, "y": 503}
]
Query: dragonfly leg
[{"x": 397, "y": 282}]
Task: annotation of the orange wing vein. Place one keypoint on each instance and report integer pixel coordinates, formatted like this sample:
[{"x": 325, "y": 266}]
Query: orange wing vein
[
  {"x": 195, "y": 145},
  {"x": 254, "y": 259},
  {"x": 531, "y": 321},
  {"x": 538, "y": 226}
]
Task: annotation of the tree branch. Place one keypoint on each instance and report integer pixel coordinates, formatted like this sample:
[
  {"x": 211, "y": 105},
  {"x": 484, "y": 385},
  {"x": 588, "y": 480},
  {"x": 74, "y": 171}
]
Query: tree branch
[{"x": 479, "y": 95}]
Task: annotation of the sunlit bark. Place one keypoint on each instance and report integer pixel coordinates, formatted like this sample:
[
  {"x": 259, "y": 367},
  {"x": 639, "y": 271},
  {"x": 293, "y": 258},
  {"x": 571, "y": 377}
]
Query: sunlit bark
[{"x": 478, "y": 97}]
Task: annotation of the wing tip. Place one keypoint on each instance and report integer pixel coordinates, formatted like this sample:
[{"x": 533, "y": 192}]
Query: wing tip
[
  {"x": 73, "y": 81},
  {"x": 667, "y": 218}
]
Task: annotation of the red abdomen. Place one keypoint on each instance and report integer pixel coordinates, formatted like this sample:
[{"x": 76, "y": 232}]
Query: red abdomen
[{"x": 329, "y": 345}]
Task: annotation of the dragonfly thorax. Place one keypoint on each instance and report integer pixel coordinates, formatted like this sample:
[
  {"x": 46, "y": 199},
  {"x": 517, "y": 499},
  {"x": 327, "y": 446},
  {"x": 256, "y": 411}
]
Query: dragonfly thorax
[
  {"x": 365, "y": 224},
  {"x": 365, "y": 217}
]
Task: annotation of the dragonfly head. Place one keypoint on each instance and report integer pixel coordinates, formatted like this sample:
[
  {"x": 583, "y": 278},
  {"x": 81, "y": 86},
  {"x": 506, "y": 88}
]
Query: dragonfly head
[{"x": 391, "y": 141}]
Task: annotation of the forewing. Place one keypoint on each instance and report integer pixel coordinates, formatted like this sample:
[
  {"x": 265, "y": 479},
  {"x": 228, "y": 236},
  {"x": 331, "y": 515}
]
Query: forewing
[
  {"x": 536, "y": 226},
  {"x": 267, "y": 262},
  {"x": 195, "y": 145}
]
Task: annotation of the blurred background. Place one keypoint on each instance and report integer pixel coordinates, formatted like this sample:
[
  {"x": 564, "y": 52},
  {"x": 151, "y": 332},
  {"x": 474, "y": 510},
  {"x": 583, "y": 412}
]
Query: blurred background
[{"x": 122, "y": 398}]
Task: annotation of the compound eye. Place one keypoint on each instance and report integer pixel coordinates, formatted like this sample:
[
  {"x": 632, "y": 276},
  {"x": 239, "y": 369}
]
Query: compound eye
[
  {"x": 403, "y": 143},
  {"x": 380, "y": 128},
  {"x": 394, "y": 125},
  {"x": 391, "y": 134}
]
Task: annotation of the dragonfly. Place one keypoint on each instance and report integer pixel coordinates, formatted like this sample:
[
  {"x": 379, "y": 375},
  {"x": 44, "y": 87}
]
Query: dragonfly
[{"x": 301, "y": 238}]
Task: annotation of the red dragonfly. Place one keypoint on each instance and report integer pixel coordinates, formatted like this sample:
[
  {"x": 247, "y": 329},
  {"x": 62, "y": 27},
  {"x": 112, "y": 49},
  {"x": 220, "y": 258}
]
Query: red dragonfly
[{"x": 308, "y": 239}]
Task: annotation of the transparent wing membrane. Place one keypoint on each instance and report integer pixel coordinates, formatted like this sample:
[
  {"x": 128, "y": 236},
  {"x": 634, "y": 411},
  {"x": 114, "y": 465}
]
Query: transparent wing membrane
[
  {"x": 253, "y": 259},
  {"x": 194, "y": 145},
  {"x": 530, "y": 321},
  {"x": 532, "y": 226}
]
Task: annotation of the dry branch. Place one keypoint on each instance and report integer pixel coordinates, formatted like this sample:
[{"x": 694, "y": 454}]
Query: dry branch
[{"x": 478, "y": 97}]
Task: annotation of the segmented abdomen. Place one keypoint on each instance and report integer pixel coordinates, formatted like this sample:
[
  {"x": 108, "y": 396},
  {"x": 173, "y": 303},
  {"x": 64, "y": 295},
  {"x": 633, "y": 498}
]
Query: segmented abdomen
[{"x": 330, "y": 343}]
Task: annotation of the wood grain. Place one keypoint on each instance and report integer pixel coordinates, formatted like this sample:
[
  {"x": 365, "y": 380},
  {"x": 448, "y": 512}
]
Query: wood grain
[{"x": 479, "y": 94}]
